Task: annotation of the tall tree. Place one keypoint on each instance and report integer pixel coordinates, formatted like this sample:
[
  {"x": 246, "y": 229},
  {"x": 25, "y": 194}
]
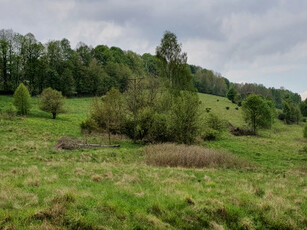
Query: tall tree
[
  {"x": 174, "y": 62},
  {"x": 258, "y": 112}
]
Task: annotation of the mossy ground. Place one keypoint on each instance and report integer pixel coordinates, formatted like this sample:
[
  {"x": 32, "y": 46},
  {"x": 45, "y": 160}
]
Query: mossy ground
[{"x": 41, "y": 188}]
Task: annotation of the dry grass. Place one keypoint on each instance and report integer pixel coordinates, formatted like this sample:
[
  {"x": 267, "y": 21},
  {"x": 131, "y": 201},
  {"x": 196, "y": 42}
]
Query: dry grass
[{"x": 171, "y": 155}]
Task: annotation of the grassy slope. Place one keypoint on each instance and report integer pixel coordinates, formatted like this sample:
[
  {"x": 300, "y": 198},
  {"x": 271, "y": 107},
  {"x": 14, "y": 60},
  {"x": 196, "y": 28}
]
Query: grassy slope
[{"x": 130, "y": 194}]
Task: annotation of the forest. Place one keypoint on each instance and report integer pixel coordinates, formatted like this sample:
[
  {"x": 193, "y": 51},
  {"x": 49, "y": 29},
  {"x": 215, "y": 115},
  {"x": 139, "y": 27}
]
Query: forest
[{"x": 93, "y": 71}]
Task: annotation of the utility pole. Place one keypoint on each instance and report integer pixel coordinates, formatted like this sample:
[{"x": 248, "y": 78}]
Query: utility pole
[{"x": 135, "y": 81}]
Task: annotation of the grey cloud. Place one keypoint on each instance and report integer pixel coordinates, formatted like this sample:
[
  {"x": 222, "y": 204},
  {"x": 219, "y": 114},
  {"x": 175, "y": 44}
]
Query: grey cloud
[{"x": 229, "y": 36}]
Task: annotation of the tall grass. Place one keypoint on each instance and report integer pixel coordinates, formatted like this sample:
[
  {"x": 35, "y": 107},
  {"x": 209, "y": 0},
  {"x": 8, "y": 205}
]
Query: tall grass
[{"x": 172, "y": 155}]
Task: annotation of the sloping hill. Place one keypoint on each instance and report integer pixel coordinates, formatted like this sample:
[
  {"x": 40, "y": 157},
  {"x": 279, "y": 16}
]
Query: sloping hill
[
  {"x": 41, "y": 188},
  {"x": 218, "y": 106}
]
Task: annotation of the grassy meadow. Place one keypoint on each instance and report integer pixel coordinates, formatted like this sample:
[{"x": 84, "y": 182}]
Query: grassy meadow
[{"x": 43, "y": 188}]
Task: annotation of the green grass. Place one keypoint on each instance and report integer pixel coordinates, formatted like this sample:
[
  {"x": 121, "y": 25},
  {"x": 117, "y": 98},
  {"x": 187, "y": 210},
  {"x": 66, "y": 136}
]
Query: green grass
[{"x": 41, "y": 188}]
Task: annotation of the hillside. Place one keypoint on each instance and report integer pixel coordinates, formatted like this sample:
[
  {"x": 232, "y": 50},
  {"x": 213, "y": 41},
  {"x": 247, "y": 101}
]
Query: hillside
[{"x": 43, "y": 188}]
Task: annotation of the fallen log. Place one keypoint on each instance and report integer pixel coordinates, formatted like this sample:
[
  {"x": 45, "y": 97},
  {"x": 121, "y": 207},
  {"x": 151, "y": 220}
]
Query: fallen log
[
  {"x": 97, "y": 145},
  {"x": 71, "y": 144}
]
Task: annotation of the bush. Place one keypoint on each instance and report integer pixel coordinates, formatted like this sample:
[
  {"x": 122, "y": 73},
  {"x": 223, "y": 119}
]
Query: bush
[
  {"x": 158, "y": 131},
  {"x": 213, "y": 127},
  {"x": 305, "y": 131},
  {"x": 171, "y": 155},
  {"x": 258, "y": 112},
  {"x": 52, "y": 101},
  {"x": 227, "y": 108},
  {"x": 88, "y": 126},
  {"x": 22, "y": 100},
  {"x": 183, "y": 121}
]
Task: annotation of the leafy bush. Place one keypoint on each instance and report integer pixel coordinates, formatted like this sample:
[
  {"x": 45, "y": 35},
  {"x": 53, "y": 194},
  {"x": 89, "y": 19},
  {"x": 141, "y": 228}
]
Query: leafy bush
[
  {"x": 258, "y": 112},
  {"x": 184, "y": 118},
  {"x": 213, "y": 127},
  {"x": 52, "y": 101},
  {"x": 227, "y": 108},
  {"x": 158, "y": 131},
  {"x": 22, "y": 99},
  {"x": 292, "y": 111},
  {"x": 171, "y": 155},
  {"x": 88, "y": 126},
  {"x": 305, "y": 131}
]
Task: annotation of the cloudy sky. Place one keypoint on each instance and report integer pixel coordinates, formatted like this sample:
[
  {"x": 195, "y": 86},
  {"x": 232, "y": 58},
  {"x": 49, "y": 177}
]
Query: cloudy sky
[{"x": 245, "y": 40}]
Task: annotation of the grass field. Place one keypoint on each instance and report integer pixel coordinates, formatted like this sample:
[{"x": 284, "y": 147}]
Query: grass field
[{"x": 41, "y": 188}]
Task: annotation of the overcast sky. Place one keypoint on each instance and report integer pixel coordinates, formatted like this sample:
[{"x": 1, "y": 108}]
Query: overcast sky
[{"x": 261, "y": 41}]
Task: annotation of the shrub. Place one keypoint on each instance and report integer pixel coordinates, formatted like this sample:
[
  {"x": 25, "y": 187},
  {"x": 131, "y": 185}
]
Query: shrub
[
  {"x": 107, "y": 114},
  {"x": 183, "y": 121},
  {"x": 22, "y": 99},
  {"x": 227, "y": 108},
  {"x": 237, "y": 108},
  {"x": 158, "y": 131},
  {"x": 208, "y": 110},
  {"x": 305, "y": 131},
  {"x": 258, "y": 112},
  {"x": 88, "y": 126},
  {"x": 52, "y": 101},
  {"x": 171, "y": 155},
  {"x": 213, "y": 127}
]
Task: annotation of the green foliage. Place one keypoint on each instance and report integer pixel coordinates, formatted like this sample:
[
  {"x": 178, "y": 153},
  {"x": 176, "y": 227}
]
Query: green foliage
[
  {"x": 232, "y": 94},
  {"x": 213, "y": 127},
  {"x": 305, "y": 131},
  {"x": 303, "y": 108},
  {"x": 88, "y": 126},
  {"x": 184, "y": 117},
  {"x": 173, "y": 63},
  {"x": 68, "y": 83},
  {"x": 107, "y": 114},
  {"x": 22, "y": 100},
  {"x": 8, "y": 112},
  {"x": 206, "y": 81},
  {"x": 291, "y": 111},
  {"x": 258, "y": 112},
  {"x": 52, "y": 101}
]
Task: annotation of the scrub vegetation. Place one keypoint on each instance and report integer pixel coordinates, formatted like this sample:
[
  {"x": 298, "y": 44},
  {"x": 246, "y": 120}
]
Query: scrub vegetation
[{"x": 261, "y": 182}]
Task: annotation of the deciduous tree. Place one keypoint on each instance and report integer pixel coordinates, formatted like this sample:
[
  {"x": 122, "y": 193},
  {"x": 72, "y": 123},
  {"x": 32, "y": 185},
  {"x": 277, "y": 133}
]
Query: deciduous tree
[
  {"x": 52, "y": 101},
  {"x": 22, "y": 99}
]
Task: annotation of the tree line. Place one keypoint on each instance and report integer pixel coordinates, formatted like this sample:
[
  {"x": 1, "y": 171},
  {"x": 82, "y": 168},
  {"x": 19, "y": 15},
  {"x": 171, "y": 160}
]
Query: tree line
[
  {"x": 161, "y": 109},
  {"x": 89, "y": 71}
]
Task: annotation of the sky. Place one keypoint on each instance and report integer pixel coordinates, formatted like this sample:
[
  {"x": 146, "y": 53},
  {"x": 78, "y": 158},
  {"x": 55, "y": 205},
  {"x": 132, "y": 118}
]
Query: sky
[{"x": 261, "y": 41}]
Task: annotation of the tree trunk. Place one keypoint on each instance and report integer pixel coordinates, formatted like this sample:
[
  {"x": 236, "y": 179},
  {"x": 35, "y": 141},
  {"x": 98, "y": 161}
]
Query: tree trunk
[{"x": 53, "y": 115}]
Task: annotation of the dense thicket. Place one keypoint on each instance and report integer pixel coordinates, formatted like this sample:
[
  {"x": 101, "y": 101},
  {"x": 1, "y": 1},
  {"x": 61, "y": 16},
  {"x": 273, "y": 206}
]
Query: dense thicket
[{"x": 95, "y": 70}]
